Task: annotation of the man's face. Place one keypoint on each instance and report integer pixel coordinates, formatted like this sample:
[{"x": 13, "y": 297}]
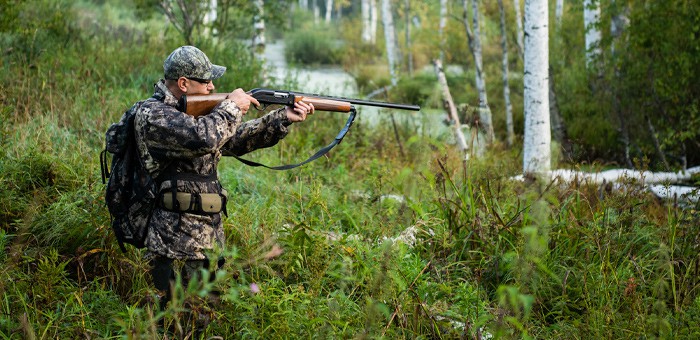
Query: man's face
[{"x": 199, "y": 86}]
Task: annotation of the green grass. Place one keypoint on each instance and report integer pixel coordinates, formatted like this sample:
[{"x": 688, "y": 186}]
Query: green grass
[{"x": 512, "y": 259}]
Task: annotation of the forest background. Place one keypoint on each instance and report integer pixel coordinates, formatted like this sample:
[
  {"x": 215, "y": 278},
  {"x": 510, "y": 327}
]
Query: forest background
[{"x": 394, "y": 234}]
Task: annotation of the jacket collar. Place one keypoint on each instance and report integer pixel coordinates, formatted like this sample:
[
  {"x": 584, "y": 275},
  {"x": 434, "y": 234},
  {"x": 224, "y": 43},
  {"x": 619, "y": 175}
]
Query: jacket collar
[{"x": 161, "y": 92}]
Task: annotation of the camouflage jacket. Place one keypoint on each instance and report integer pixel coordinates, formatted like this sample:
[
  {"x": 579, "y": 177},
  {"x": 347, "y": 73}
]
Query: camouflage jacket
[{"x": 170, "y": 141}]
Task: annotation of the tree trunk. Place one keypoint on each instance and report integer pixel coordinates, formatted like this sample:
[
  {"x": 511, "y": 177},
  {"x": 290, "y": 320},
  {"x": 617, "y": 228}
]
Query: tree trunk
[
  {"x": 506, "y": 88},
  {"x": 185, "y": 19},
  {"x": 519, "y": 22},
  {"x": 304, "y": 4},
  {"x": 442, "y": 22},
  {"x": 259, "y": 30},
  {"x": 209, "y": 19},
  {"x": 659, "y": 183},
  {"x": 409, "y": 56},
  {"x": 329, "y": 10},
  {"x": 618, "y": 24},
  {"x": 451, "y": 108},
  {"x": 389, "y": 37},
  {"x": 366, "y": 25},
  {"x": 373, "y": 20},
  {"x": 591, "y": 19},
  {"x": 317, "y": 12},
  {"x": 537, "y": 139},
  {"x": 657, "y": 144},
  {"x": 475, "y": 47},
  {"x": 558, "y": 13}
]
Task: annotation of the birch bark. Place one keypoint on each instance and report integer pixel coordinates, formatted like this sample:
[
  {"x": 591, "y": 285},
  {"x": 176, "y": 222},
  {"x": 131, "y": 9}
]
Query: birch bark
[
  {"x": 591, "y": 20},
  {"x": 537, "y": 138},
  {"x": 389, "y": 38},
  {"x": 258, "y": 41},
  {"x": 441, "y": 29},
  {"x": 366, "y": 24},
  {"x": 329, "y": 10},
  {"x": 506, "y": 88},
  {"x": 475, "y": 47},
  {"x": 519, "y": 22},
  {"x": 373, "y": 20},
  {"x": 451, "y": 108},
  {"x": 559, "y": 12}
]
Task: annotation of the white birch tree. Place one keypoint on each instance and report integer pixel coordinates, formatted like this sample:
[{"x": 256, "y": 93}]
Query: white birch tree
[
  {"x": 519, "y": 24},
  {"x": 390, "y": 40},
  {"x": 558, "y": 12},
  {"x": 329, "y": 10},
  {"x": 317, "y": 12},
  {"x": 210, "y": 18},
  {"x": 506, "y": 87},
  {"x": 258, "y": 40},
  {"x": 537, "y": 137},
  {"x": 591, "y": 20},
  {"x": 366, "y": 23},
  {"x": 442, "y": 22},
  {"x": 475, "y": 47},
  {"x": 304, "y": 4},
  {"x": 409, "y": 49},
  {"x": 374, "y": 17},
  {"x": 449, "y": 105}
]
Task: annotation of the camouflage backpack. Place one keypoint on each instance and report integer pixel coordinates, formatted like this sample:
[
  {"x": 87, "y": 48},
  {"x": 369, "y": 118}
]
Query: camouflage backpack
[{"x": 131, "y": 191}]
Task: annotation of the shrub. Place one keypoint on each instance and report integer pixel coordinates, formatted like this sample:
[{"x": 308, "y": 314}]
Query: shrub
[{"x": 311, "y": 46}]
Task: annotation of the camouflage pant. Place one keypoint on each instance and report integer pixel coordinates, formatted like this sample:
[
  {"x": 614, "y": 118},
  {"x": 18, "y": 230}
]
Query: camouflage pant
[{"x": 164, "y": 270}]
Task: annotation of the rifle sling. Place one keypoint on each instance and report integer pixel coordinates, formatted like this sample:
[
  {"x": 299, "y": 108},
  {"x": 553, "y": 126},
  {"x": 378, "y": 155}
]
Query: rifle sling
[{"x": 319, "y": 153}]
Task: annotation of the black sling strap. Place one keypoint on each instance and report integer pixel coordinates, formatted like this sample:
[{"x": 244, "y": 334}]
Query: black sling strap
[{"x": 319, "y": 153}]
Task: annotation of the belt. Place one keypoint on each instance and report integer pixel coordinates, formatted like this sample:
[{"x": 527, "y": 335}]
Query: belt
[{"x": 195, "y": 203}]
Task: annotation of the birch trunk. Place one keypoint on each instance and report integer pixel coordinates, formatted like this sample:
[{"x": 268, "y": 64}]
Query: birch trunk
[
  {"x": 389, "y": 37},
  {"x": 475, "y": 46},
  {"x": 366, "y": 25},
  {"x": 258, "y": 41},
  {"x": 209, "y": 18},
  {"x": 317, "y": 12},
  {"x": 329, "y": 10},
  {"x": 657, "y": 144},
  {"x": 660, "y": 184},
  {"x": 409, "y": 56},
  {"x": 537, "y": 139},
  {"x": 373, "y": 20},
  {"x": 519, "y": 22},
  {"x": 506, "y": 87},
  {"x": 558, "y": 13},
  {"x": 304, "y": 4},
  {"x": 451, "y": 108},
  {"x": 591, "y": 20},
  {"x": 442, "y": 22},
  {"x": 618, "y": 24}
]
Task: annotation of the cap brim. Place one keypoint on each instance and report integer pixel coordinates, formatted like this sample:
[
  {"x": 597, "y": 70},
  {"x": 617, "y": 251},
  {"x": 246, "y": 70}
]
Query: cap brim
[{"x": 217, "y": 71}]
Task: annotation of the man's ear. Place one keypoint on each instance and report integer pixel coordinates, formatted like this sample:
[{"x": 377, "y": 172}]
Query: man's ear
[{"x": 182, "y": 84}]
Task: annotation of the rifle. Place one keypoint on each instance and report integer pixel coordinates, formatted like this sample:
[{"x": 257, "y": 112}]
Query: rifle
[{"x": 198, "y": 105}]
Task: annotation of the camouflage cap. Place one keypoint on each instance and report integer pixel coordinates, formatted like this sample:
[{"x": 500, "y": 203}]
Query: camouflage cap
[{"x": 191, "y": 62}]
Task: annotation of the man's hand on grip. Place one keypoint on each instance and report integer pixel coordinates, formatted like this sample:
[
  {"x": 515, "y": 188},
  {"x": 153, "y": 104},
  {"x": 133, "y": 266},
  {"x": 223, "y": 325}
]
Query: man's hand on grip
[{"x": 242, "y": 100}]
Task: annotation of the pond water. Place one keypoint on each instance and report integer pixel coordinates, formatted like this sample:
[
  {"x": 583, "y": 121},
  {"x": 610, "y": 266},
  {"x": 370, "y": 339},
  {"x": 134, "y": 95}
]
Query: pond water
[{"x": 334, "y": 81}]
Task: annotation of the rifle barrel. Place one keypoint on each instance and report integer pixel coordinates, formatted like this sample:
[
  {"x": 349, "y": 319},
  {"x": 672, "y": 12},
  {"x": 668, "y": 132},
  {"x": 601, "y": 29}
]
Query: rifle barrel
[{"x": 363, "y": 102}]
